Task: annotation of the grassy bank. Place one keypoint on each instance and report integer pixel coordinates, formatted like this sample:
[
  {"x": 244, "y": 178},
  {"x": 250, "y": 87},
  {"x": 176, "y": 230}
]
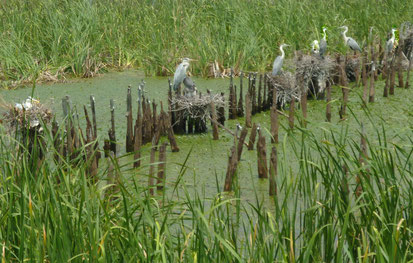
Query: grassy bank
[{"x": 45, "y": 39}]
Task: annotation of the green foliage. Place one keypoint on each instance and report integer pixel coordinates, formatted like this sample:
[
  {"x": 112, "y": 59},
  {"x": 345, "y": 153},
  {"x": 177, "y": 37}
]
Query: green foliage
[
  {"x": 46, "y": 36},
  {"x": 53, "y": 212}
]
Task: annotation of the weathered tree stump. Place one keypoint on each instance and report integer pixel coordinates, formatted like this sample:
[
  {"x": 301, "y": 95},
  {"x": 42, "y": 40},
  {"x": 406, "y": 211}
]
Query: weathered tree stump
[
  {"x": 241, "y": 141},
  {"x": 253, "y": 134},
  {"x": 262, "y": 156},
  {"x": 273, "y": 172},
  {"x": 231, "y": 169},
  {"x": 161, "y": 167},
  {"x": 248, "y": 110},
  {"x": 328, "y": 105}
]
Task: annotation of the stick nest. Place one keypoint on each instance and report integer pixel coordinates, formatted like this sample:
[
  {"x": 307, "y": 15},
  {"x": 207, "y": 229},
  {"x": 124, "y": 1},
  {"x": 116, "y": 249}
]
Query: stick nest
[
  {"x": 32, "y": 117},
  {"x": 310, "y": 68},
  {"x": 286, "y": 87},
  {"x": 196, "y": 106}
]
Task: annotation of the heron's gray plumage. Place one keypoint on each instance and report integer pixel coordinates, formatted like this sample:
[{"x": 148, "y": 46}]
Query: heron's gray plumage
[
  {"x": 353, "y": 44},
  {"x": 323, "y": 47},
  {"x": 390, "y": 42},
  {"x": 278, "y": 62},
  {"x": 276, "y": 67},
  {"x": 180, "y": 74},
  {"x": 190, "y": 88},
  {"x": 350, "y": 41}
]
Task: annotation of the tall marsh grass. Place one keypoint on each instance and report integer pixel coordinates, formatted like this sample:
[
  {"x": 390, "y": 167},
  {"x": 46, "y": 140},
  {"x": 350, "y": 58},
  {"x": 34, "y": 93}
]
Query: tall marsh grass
[
  {"x": 45, "y": 38},
  {"x": 54, "y": 213}
]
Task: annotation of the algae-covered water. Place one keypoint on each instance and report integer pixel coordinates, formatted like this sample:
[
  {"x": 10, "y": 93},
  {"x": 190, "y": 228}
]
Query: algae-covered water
[{"x": 207, "y": 159}]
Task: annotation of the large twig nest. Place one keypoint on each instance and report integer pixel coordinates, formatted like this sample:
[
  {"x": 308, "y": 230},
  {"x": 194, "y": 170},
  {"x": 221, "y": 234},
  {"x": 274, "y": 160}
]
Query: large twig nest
[
  {"x": 29, "y": 114},
  {"x": 314, "y": 72},
  {"x": 406, "y": 33},
  {"x": 286, "y": 87},
  {"x": 196, "y": 106}
]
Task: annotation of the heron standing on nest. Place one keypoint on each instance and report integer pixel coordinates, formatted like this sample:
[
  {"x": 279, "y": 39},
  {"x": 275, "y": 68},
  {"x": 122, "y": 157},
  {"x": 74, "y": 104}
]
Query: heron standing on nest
[
  {"x": 390, "y": 42},
  {"x": 180, "y": 73},
  {"x": 350, "y": 41},
  {"x": 278, "y": 62}
]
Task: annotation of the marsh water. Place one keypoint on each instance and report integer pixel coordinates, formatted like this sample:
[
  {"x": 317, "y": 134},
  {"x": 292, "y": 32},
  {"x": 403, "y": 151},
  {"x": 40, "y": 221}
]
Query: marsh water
[{"x": 203, "y": 159}]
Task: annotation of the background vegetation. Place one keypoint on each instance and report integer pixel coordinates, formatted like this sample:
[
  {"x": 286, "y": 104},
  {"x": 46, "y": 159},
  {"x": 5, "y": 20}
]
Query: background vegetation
[{"x": 42, "y": 39}]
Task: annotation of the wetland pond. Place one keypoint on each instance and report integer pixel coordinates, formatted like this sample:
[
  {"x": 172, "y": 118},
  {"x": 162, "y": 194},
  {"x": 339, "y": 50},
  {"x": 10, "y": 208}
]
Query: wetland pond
[{"x": 205, "y": 160}]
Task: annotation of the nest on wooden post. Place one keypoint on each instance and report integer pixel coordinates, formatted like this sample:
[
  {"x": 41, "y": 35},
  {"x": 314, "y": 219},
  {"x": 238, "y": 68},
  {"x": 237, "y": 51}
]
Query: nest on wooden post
[
  {"x": 194, "y": 110},
  {"x": 286, "y": 88},
  {"x": 27, "y": 120},
  {"x": 314, "y": 72}
]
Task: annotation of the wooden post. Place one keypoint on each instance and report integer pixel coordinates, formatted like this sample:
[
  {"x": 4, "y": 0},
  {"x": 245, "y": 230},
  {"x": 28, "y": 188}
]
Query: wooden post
[
  {"x": 241, "y": 141},
  {"x": 274, "y": 118},
  {"x": 291, "y": 113},
  {"x": 230, "y": 103},
  {"x": 248, "y": 110},
  {"x": 221, "y": 111},
  {"x": 364, "y": 69},
  {"x": 112, "y": 134},
  {"x": 344, "y": 89},
  {"x": 254, "y": 94},
  {"x": 392, "y": 74},
  {"x": 240, "y": 111},
  {"x": 399, "y": 63},
  {"x": 231, "y": 169},
  {"x": 253, "y": 134},
  {"x": 172, "y": 140},
  {"x": 371, "y": 88},
  {"x": 362, "y": 160},
  {"x": 304, "y": 107},
  {"x": 215, "y": 134},
  {"x": 409, "y": 55},
  {"x": 152, "y": 167},
  {"x": 95, "y": 132},
  {"x": 129, "y": 131},
  {"x": 328, "y": 105},
  {"x": 262, "y": 156},
  {"x": 234, "y": 103},
  {"x": 161, "y": 167},
  {"x": 273, "y": 171},
  {"x": 259, "y": 106},
  {"x": 264, "y": 96},
  {"x": 137, "y": 139}
]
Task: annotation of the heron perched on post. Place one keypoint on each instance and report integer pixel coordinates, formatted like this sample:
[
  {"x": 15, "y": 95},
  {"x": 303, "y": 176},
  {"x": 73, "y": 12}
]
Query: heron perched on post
[
  {"x": 390, "y": 42},
  {"x": 323, "y": 43},
  {"x": 315, "y": 48},
  {"x": 278, "y": 62},
  {"x": 350, "y": 41},
  {"x": 180, "y": 73}
]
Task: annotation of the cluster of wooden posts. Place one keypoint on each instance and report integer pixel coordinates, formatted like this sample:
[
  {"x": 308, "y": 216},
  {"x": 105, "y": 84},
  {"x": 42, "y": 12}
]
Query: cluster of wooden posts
[{"x": 265, "y": 97}]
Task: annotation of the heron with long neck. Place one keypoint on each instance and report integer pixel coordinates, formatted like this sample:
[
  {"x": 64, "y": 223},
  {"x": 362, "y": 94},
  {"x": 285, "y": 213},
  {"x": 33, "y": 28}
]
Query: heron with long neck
[
  {"x": 350, "y": 41},
  {"x": 180, "y": 73},
  {"x": 278, "y": 62},
  {"x": 390, "y": 42},
  {"x": 323, "y": 43}
]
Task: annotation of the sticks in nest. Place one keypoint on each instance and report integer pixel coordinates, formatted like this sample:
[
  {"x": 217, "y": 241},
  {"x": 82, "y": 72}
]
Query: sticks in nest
[{"x": 196, "y": 106}]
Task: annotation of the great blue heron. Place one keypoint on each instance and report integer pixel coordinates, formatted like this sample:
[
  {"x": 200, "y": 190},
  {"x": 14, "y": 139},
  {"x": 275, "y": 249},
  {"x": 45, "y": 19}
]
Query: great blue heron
[
  {"x": 190, "y": 88},
  {"x": 323, "y": 43},
  {"x": 350, "y": 41},
  {"x": 180, "y": 73},
  {"x": 390, "y": 42},
  {"x": 315, "y": 48},
  {"x": 278, "y": 62}
]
